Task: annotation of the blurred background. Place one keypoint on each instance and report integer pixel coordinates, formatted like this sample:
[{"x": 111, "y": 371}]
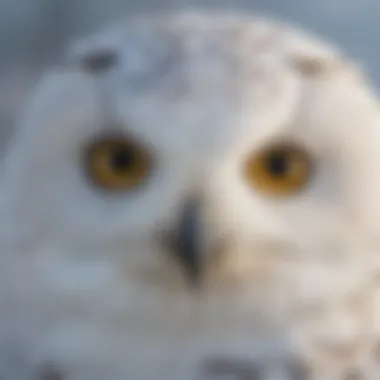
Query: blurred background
[{"x": 34, "y": 32}]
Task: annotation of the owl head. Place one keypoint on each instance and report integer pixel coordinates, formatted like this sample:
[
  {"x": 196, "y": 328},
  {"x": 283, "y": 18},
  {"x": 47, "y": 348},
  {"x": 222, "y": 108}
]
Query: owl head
[{"x": 196, "y": 146}]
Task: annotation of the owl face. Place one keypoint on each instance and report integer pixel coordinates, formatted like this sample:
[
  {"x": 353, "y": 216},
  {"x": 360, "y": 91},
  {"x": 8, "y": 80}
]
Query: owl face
[
  {"x": 159, "y": 119},
  {"x": 230, "y": 156}
]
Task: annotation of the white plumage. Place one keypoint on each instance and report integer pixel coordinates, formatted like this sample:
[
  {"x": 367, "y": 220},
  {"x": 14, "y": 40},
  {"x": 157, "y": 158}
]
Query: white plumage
[{"x": 103, "y": 272}]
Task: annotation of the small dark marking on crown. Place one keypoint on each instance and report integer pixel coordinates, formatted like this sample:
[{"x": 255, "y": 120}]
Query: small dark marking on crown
[
  {"x": 99, "y": 61},
  {"x": 310, "y": 66},
  {"x": 50, "y": 373}
]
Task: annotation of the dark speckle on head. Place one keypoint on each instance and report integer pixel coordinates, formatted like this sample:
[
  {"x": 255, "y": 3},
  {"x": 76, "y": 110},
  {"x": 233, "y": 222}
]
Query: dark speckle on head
[
  {"x": 50, "y": 373},
  {"x": 233, "y": 368},
  {"x": 99, "y": 61}
]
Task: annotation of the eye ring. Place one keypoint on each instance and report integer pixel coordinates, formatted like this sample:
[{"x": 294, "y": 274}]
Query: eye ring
[
  {"x": 281, "y": 169},
  {"x": 117, "y": 163}
]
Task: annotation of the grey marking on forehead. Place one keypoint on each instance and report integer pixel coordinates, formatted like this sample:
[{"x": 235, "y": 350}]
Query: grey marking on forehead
[
  {"x": 175, "y": 48},
  {"x": 144, "y": 54}
]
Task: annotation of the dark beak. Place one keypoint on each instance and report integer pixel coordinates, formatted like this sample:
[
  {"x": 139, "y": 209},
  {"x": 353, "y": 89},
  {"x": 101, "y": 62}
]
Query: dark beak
[{"x": 188, "y": 240}]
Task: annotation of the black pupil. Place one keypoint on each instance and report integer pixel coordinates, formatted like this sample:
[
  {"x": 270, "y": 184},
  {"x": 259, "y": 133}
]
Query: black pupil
[
  {"x": 278, "y": 164},
  {"x": 122, "y": 159}
]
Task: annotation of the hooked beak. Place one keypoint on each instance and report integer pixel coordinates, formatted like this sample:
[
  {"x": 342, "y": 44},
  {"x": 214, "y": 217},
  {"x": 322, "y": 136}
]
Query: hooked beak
[{"x": 187, "y": 242}]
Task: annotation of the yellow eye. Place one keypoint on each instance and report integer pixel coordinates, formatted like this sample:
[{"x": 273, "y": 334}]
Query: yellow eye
[
  {"x": 280, "y": 170},
  {"x": 117, "y": 164}
]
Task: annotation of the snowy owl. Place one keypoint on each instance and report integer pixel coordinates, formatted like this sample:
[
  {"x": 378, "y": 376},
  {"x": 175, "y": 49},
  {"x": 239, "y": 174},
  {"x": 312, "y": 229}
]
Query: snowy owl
[{"x": 194, "y": 196}]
